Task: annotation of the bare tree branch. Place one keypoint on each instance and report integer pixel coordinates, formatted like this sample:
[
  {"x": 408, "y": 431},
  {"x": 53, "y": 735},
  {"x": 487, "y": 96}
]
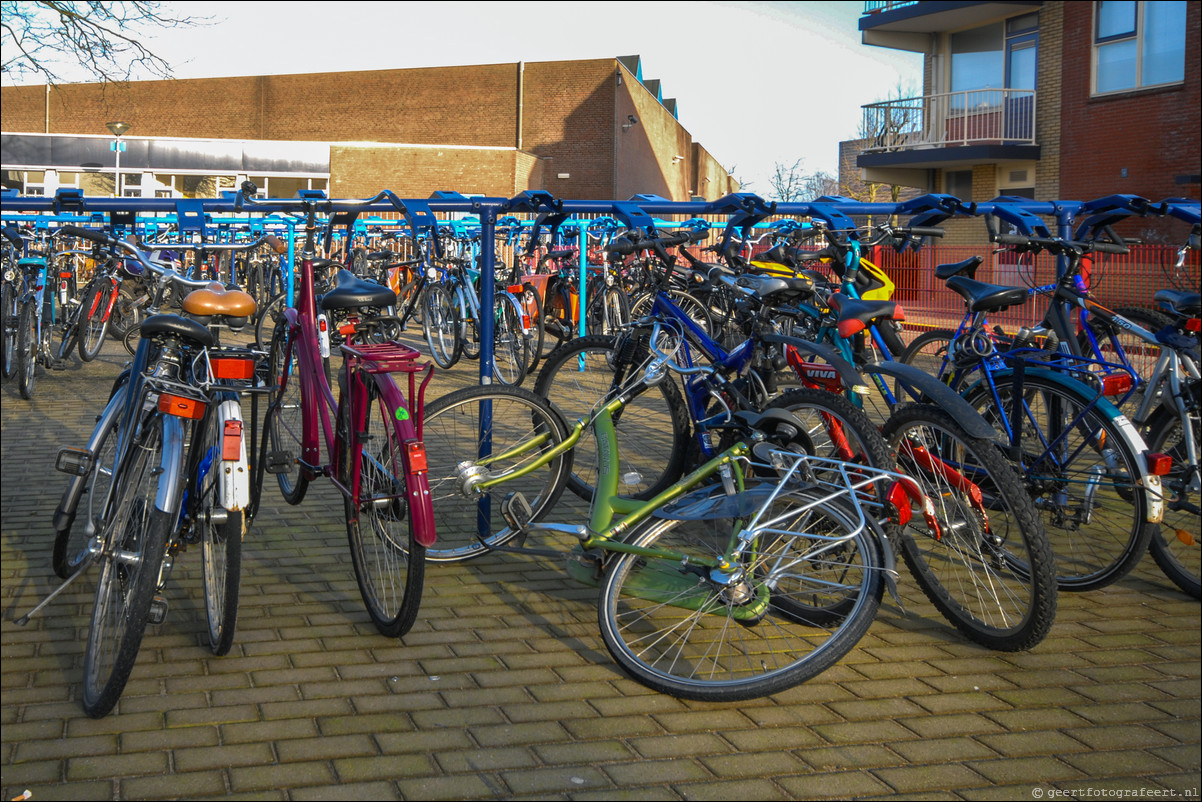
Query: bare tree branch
[
  {"x": 46, "y": 37},
  {"x": 787, "y": 182}
]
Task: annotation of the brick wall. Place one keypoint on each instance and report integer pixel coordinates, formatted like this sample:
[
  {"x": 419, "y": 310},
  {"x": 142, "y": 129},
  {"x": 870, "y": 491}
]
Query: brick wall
[
  {"x": 1049, "y": 100},
  {"x": 359, "y": 171},
  {"x": 1153, "y": 134}
]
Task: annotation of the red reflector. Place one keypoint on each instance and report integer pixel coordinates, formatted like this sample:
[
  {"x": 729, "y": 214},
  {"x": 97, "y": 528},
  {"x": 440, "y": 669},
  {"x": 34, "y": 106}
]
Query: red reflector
[
  {"x": 346, "y": 329},
  {"x": 231, "y": 441},
  {"x": 65, "y": 275},
  {"x": 1194, "y": 324},
  {"x": 900, "y": 500},
  {"x": 1159, "y": 464},
  {"x": 181, "y": 407},
  {"x": 516, "y": 289},
  {"x": 850, "y": 327},
  {"x": 899, "y": 313},
  {"x": 1116, "y": 383},
  {"x": 229, "y": 368},
  {"x": 322, "y": 324},
  {"x": 415, "y": 450}
]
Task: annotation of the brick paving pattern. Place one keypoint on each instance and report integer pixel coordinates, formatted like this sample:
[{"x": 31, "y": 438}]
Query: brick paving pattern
[{"x": 504, "y": 688}]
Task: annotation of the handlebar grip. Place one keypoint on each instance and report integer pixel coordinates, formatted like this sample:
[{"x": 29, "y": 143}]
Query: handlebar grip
[
  {"x": 276, "y": 244},
  {"x": 11, "y": 234},
  {"x": 1110, "y": 247},
  {"x": 90, "y": 234},
  {"x": 924, "y": 231},
  {"x": 1011, "y": 239},
  {"x": 620, "y": 246}
]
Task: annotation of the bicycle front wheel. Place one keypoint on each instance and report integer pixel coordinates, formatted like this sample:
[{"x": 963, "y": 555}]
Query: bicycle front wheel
[
  {"x": 509, "y": 343},
  {"x": 93, "y": 320},
  {"x": 133, "y": 540},
  {"x": 1082, "y": 476},
  {"x": 490, "y": 430},
  {"x": 27, "y": 348},
  {"x": 1174, "y": 544},
  {"x": 285, "y": 416},
  {"x": 990, "y": 570},
  {"x": 441, "y": 326},
  {"x": 801, "y": 597},
  {"x": 389, "y": 562}
]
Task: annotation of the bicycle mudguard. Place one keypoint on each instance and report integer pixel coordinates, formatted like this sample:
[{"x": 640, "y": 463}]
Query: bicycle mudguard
[
  {"x": 1132, "y": 439},
  {"x": 171, "y": 490},
  {"x": 417, "y": 479},
  {"x": 931, "y": 389},
  {"x": 64, "y": 514},
  {"x": 235, "y": 470},
  {"x": 850, "y": 376}
]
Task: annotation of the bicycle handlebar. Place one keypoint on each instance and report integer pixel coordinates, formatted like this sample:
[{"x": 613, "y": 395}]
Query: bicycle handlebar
[{"x": 101, "y": 238}]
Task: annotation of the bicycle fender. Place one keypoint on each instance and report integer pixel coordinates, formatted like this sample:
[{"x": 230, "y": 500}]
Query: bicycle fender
[
  {"x": 171, "y": 486},
  {"x": 64, "y": 514},
  {"x": 417, "y": 479},
  {"x": 938, "y": 393},
  {"x": 235, "y": 470},
  {"x": 848, "y": 373},
  {"x": 1133, "y": 441}
]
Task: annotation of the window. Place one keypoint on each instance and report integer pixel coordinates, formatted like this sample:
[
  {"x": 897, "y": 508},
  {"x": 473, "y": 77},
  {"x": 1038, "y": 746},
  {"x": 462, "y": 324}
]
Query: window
[{"x": 1138, "y": 44}]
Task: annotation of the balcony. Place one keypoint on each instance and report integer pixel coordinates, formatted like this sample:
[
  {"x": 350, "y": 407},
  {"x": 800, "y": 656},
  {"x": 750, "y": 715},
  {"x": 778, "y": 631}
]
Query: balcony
[
  {"x": 954, "y": 130},
  {"x": 909, "y": 25}
]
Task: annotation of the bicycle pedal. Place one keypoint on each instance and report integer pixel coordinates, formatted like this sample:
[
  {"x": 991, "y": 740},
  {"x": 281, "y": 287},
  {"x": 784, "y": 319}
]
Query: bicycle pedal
[
  {"x": 59, "y": 364},
  {"x": 158, "y": 610},
  {"x": 280, "y": 461},
  {"x": 517, "y": 511}
]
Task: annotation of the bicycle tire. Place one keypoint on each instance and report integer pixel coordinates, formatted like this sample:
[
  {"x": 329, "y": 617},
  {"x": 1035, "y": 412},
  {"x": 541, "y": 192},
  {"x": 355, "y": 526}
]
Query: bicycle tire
[
  {"x": 997, "y": 585},
  {"x": 608, "y": 311},
  {"x": 559, "y": 316},
  {"x": 509, "y": 347},
  {"x": 452, "y": 434},
  {"x": 27, "y": 349},
  {"x": 93, "y": 320},
  {"x": 928, "y": 351},
  {"x": 891, "y": 336},
  {"x": 285, "y": 414},
  {"x": 796, "y": 605},
  {"x": 133, "y": 542},
  {"x": 70, "y": 338},
  {"x": 440, "y": 326},
  {"x": 1098, "y": 536},
  {"x": 653, "y": 429},
  {"x": 1140, "y": 354},
  {"x": 270, "y": 315},
  {"x": 220, "y": 532},
  {"x": 71, "y": 544},
  {"x": 532, "y": 312},
  {"x": 9, "y": 317},
  {"x": 126, "y": 314},
  {"x": 833, "y": 428},
  {"x": 696, "y": 310},
  {"x": 389, "y": 563},
  {"x": 1174, "y": 544},
  {"x": 469, "y": 328}
]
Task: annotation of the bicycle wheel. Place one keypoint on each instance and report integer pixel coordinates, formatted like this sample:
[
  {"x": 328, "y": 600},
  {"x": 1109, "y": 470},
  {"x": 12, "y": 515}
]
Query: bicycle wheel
[
  {"x": 93, "y": 320},
  {"x": 70, "y": 336},
  {"x": 1082, "y": 477},
  {"x": 696, "y": 310},
  {"x": 133, "y": 538},
  {"x": 801, "y": 596},
  {"x": 440, "y": 324},
  {"x": 533, "y": 324},
  {"x": 220, "y": 532},
  {"x": 509, "y": 344},
  {"x": 652, "y": 429},
  {"x": 27, "y": 348},
  {"x": 271, "y": 314},
  {"x": 1174, "y": 544},
  {"x": 127, "y": 313},
  {"x": 492, "y": 419},
  {"x": 990, "y": 571},
  {"x": 558, "y": 312},
  {"x": 928, "y": 351},
  {"x": 1140, "y": 354},
  {"x": 9, "y": 316},
  {"x": 72, "y": 544},
  {"x": 834, "y": 429},
  {"x": 469, "y": 329},
  {"x": 285, "y": 416},
  {"x": 389, "y": 562},
  {"x": 608, "y": 311}
]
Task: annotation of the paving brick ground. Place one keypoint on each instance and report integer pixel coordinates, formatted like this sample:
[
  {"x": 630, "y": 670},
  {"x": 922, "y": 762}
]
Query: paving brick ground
[{"x": 504, "y": 688}]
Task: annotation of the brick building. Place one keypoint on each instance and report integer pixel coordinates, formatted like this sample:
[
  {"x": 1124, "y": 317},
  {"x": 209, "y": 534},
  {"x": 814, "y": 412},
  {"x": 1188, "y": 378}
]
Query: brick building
[
  {"x": 1046, "y": 100},
  {"x": 579, "y": 129}
]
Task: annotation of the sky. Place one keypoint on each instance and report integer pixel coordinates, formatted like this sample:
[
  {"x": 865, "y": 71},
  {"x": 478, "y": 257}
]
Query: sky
[{"x": 757, "y": 84}]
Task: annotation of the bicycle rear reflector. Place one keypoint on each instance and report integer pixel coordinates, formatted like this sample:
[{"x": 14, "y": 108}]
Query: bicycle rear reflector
[
  {"x": 233, "y": 367},
  {"x": 181, "y": 406},
  {"x": 1194, "y": 324},
  {"x": 1159, "y": 464},
  {"x": 231, "y": 441},
  {"x": 415, "y": 452},
  {"x": 1116, "y": 383}
]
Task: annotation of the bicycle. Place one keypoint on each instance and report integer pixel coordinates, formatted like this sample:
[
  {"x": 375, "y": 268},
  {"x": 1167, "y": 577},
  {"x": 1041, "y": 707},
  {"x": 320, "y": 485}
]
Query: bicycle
[
  {"x": 721, "y": 588},
  {"x": 166, "y": 467},
  {"x": 35, "y": 318},
  {"x": 371, "y": 434},
  {"x": 10, "y": 300}
]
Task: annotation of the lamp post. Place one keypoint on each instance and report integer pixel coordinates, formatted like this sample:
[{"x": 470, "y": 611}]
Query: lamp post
[{"x": 117, "y": 129}]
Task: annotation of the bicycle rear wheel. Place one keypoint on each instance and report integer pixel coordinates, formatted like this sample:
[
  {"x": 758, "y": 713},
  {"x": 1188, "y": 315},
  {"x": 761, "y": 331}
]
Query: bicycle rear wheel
[
  {"x": 1174, "y": 544},
  {"x": 221, "y": 533},
  {"x": 1083, "y": 478},
  {"x": 27, "y": 348},
  {"x": 440, "y": 324},
  {"x": 797, "y": 602},
  {"x": 389, "y": 562},
  {"x": 990, "y": 571},
  {"x": 285, "y": 416},
  {"x": 470, "y": 425},
  {"x": 509, "y": 344},
  {"x": 133, "y": 540}
]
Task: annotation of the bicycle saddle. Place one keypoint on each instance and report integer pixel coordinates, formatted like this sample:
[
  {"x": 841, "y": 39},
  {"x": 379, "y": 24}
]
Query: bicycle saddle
[
  {"x": 854, "y": 315},
  {"x": 351, "y": 292},
  {"x": 177, "y": 326},
  {"x": 966, "y": 268},
  {"x": 984, "y": 297},
  {"x": 1183, "y": 303},
  {"x": 217, "y": 301}
]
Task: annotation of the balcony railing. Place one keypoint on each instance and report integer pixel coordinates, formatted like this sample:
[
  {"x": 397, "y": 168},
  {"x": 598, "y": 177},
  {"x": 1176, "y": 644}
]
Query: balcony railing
[
  {"x": 977, "y": 117},
  {"x": 873, "y": 6}
]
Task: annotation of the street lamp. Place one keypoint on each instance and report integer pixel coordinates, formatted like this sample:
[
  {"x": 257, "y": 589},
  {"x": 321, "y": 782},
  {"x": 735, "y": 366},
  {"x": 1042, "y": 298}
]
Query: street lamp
[{"x": 117, "y": 129}]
